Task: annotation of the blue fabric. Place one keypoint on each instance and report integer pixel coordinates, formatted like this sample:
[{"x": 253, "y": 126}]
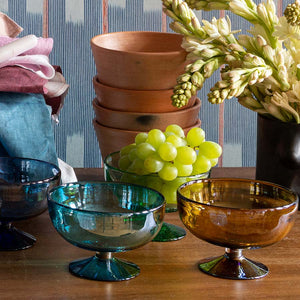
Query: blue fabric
[{"x": 26, "y": 127}]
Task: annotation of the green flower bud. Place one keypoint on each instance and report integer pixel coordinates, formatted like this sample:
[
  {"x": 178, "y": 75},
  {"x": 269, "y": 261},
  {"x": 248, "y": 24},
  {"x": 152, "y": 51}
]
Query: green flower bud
[
  {"x": 184, "y": 86},
  {"x": 179, "y": 28},
  {"x": 179, "y": 92},
  {"x": 263, "y": 14},
  {"x": 188, "y": 94},
  {"x": 222, "y": 84},
  {"x": 188, "y": 85},
  {"x": 183, "y": 78},
  {"x": 268, "y": 52},
  {"x": 261, "y": 41},
  {"x": 210, "y": 67},
  {"x": 197, "y": 27},
  {"x": 250, "y": 102},
  {"x": 175, "y": 6},
  {"x": 170, "y": 14},
  {"x": 292, "y": 13},
  {"x": 193, "y": 90},
  {"x": 197, "y": 79},
  {"x": 196, "y": 66},
  {"x": 185, "y": 12},
  {"x": 217, "y": 6}
]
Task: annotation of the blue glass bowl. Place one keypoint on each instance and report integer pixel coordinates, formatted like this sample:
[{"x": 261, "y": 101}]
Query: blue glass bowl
[
  {"x": 106, "y": 217},
  {"x": 24, "y": 184}
]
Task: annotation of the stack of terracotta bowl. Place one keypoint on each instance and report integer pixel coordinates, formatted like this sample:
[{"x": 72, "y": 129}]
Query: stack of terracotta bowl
[{"x": 136, "y": 73}]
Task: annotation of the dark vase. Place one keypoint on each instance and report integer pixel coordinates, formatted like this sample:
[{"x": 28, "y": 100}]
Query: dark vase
[{"x": 278, "y": 152}]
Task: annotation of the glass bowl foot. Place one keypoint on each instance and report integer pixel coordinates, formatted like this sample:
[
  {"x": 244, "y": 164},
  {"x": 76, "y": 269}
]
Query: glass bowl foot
[
  {"x": 12, "y": 238},
  {"x": 104, "y": 267},
  {"x": 169, "y": 232},
  {"x": 233, "y": 265}
]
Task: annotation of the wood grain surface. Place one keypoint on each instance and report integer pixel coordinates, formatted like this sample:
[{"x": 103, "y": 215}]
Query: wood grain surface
[{"x": 168, "y": 270}]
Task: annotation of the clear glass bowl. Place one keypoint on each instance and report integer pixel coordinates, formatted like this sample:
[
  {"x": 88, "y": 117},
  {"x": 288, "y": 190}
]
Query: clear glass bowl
[
  {"x": 106, "y": 217},
  {"x": 169, "y": 232},
  {"x": 167, "y": 188},
  {"x": 24, "y": 184},
  {"x": 236, "y": 214}
]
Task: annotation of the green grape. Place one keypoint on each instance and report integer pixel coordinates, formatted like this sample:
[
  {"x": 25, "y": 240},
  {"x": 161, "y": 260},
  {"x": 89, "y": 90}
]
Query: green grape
[
  {"x": 137, "y": 167},
  {"x": 143, "y": 150},
  {"x": 186, "y": 155},
  {"x": 195, "y": 136},
  {"x": 155, "y": 137},
  {"x": 154, "y": 182},
  {"x": 125, "y": 150},
  {"x": 176, "y": 140},
  {"x": 184, "y": 142},
  {"x": 168, "y": 172},
  {"x": 124, "y": 162},
  {"x": 153, "y": 163},
  {"x": 179, "y": 181},
  {"x": 141, "y": 137},
  {"x": 129, "y": 177},
  {"x": 176, "y": 129},
  {"x": 214, "y": 161},
  {"x": 183, "y": 170},
  {"x": 168, "y": 133},
  {"x": 210, "y": 149},
  {"x": 201, "y": 165},
  {"x": 167, "y": 151},
  {"x": 169, "y": 189},
  {"x": 169, "y": 192},
  {"x": 132, "y": 155}
]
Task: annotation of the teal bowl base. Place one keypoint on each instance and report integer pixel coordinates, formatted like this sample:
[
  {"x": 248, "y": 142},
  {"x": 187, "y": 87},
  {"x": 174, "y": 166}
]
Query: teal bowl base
[
  {"x": 12, "y": 239},
  {"x": 169, "y": 232},
  {"x": 104, "y": 267}
]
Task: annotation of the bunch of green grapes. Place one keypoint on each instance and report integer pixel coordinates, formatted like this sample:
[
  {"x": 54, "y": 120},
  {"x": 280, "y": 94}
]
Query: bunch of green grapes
[{"x": 170, "y": 156}]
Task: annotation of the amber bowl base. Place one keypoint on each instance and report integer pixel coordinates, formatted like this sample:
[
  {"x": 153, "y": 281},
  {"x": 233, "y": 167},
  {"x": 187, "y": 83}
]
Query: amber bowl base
[{"x": 233, "y": 265}]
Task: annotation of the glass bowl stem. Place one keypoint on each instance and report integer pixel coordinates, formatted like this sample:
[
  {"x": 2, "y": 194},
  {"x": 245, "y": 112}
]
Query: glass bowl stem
[
  {"x": 233, "y": 265},
  {"x": 12, "y": 238},
  {"x": 104, "y": 267}
]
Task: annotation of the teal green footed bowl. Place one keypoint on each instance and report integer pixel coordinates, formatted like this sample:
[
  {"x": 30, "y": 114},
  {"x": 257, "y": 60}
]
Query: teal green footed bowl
[{"x": 106, "y": 217}]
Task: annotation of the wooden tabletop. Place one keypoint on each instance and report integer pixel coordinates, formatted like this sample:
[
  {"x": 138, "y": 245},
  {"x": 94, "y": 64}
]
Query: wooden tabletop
[{"x": 168, "y": 270}]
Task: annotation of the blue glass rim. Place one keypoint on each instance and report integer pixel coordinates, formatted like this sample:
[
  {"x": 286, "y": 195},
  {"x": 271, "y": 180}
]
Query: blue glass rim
[
  {"x": 44, "y": 180},
  {"x": 107, "y": 183},
  {"x": 242, "y": 180},
  {"x": 106, "y": 164}
]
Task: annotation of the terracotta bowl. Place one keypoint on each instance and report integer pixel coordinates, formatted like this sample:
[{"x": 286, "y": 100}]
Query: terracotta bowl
[
  {"x": 113, "y": 139},
  {"x": 139, "y": 60},
  {"x": 136, "y": 100},
  {"x": 145, "y": 121}
]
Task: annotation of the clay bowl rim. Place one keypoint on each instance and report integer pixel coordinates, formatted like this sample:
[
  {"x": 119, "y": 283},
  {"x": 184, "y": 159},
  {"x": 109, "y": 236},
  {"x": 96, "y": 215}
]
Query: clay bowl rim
[
  {"x": 95, "y": 122},
  {"x": 146, "y": 53},
  {"x": 197, "y": 105},
  {"x": 243, "y": 180},
  {"x": 96, "y": 81}
]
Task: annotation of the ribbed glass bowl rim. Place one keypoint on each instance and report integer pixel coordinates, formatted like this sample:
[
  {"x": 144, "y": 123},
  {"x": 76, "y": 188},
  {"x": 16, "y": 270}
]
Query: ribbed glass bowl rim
[
  {"x": 87, "y": 211},
  {"x": 45, "y": 180},
  {"x": 296, "y": 201},
  {"x": 146, "y": 175}
]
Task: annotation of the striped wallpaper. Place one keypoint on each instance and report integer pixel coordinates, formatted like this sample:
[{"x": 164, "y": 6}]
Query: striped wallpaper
[{"x": 72, "y": 23}]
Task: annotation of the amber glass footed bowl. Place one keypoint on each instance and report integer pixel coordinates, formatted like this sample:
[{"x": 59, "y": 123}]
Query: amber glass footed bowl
[{"x": 236, "y": 214}]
